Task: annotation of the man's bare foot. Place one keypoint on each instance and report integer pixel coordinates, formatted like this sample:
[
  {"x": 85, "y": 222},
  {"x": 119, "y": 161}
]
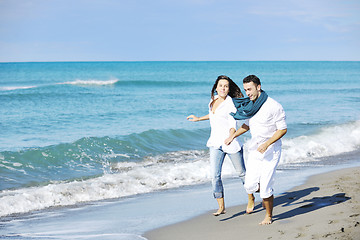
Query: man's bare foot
[
  {"x": 251, "y": 204},
  {"x": 267, "y": 221},
  {"x": 220, "y": 211},
  {"x": 268, "y": 204}
]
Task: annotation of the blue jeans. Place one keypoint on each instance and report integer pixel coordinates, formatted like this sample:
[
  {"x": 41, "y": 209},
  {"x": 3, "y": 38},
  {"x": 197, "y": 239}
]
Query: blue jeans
[{"x": 217, "y": 157}]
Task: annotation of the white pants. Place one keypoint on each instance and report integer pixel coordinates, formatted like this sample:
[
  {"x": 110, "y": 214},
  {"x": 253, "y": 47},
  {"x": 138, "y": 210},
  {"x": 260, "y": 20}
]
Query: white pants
[{"x": 260, "y": 169}]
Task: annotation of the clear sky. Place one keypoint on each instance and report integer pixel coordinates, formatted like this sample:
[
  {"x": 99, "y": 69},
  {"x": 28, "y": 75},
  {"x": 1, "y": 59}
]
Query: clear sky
[{"x": 156, "y": 30}]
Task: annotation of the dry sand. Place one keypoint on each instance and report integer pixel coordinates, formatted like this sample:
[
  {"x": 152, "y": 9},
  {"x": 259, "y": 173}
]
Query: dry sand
[{"x": 327, "y": 206}]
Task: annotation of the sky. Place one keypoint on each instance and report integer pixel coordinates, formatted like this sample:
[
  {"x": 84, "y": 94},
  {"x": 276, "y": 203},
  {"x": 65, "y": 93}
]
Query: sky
[{"x": 179, "y": 30}]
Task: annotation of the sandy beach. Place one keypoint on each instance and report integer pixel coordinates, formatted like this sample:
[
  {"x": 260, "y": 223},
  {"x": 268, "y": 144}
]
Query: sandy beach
[{"x": 327, "y": 206}]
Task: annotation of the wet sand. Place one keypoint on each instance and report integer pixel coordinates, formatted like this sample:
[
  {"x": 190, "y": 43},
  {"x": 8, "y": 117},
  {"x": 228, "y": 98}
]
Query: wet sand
[{"x": 327, "y": 206}]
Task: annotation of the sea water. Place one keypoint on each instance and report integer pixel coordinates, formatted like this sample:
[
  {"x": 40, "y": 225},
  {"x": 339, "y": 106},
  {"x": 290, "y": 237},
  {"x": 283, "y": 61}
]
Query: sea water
[{"x": 82, "y": 132}]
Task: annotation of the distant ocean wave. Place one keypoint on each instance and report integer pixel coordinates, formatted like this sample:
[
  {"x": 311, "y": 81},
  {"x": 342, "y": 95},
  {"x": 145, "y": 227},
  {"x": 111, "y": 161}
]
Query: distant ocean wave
[
  {"x": 11, "y": 88},
  {"x": 78, "y": 82},
  {"x": 111, "y": 82},
  {"x": 136, "y": 164},
  {"x": 92, "y": 82},
  {"x": 161, "y": 83}
]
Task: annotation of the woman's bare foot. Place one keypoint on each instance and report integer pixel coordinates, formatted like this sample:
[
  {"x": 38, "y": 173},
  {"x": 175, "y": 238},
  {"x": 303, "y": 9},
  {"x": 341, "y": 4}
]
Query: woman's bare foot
[
  {"x": 220, "y": 211},
  {"x": 251, "y": 204},
  {"x": 267, "y": 220}
]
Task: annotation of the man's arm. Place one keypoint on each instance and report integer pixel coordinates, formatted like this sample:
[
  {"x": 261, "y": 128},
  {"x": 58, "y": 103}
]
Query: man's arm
[
  {"x": 277, "y": 135},
  {"x": 243, "y": 129}
]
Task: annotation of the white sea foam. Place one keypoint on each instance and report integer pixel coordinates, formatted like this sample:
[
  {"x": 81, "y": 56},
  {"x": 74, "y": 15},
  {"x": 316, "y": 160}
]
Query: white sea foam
[
  {"x": 131, "y": 179},
  {"x": 76, "y": 82},
  {"x": 328, "y": 141},
  {"x": 92, "y": 82},
  {"x": 12, "y": 88}
]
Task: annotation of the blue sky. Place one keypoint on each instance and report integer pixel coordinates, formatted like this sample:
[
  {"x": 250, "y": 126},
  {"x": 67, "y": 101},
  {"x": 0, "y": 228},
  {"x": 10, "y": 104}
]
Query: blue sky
[{"x": 169, "y": 30}]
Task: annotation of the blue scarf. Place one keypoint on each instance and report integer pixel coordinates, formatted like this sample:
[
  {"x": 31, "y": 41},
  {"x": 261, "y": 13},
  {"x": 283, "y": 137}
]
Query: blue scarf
[{"x": 247, "y": 108}]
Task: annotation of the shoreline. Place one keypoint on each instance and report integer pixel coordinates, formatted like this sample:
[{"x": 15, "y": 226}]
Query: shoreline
[
  {"x": 326, "y": 206},
  {"x": 138, "y": 216}
]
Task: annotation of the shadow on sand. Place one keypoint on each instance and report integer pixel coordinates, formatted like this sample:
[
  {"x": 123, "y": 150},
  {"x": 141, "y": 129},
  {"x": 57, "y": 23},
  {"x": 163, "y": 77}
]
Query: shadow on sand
[{"x": 294, "y": 199}]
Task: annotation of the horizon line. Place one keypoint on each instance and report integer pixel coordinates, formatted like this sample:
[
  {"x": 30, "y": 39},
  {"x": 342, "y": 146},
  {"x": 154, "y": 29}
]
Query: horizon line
[{"x": 93, "y": 61}]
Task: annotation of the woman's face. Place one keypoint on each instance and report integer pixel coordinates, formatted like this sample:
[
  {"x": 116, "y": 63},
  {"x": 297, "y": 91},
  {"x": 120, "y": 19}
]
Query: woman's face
[{"x": 222, "y": 88}]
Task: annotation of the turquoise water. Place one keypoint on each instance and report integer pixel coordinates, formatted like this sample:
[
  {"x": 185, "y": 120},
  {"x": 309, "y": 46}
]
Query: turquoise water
[{"x": 102, "y": 130}]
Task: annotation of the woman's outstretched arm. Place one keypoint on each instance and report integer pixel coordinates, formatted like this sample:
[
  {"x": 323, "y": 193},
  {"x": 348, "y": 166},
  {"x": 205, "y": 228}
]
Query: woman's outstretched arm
[{"x": 193, "y": 118}]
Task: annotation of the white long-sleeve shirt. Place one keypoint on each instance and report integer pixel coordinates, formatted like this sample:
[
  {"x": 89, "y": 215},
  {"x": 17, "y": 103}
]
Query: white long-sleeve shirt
[
  {"x": 270, "y": 118},
  {"x": 221, "y": 122}
]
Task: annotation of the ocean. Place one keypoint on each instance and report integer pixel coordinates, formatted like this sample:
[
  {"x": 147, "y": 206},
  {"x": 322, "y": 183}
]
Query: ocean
[{"x": 84, "y": 136}]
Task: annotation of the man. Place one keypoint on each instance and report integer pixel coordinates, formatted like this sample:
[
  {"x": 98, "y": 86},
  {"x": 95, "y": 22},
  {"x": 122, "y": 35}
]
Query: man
[{"x": 266, "y": 120}]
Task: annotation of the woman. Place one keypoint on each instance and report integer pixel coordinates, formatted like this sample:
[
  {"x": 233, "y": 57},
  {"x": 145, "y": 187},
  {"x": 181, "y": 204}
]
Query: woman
[{"x": 222, "y": 126}]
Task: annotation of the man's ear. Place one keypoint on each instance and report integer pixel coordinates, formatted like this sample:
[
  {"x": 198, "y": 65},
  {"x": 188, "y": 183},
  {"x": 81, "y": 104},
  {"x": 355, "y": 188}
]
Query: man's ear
[{"x": 258, "y": 87}]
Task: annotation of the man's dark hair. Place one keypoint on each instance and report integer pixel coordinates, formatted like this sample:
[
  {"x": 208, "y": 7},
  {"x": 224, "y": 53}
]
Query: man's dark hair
[{"x": 252, "y": 78}]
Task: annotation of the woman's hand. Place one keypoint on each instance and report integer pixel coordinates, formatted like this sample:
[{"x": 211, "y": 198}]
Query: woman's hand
[{"x": 193, "y": 118}]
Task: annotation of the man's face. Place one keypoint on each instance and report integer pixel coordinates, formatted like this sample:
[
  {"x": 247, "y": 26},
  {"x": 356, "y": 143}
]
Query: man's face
[{"x": 252, "y": 91}]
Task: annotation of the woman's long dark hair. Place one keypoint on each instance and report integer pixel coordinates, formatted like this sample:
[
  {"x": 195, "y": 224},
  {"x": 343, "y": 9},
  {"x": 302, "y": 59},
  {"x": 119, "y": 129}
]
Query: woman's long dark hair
[{"x": 234, "y": 90}]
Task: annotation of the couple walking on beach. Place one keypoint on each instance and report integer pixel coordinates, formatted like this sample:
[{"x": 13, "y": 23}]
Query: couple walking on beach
[{"x": 265, "y": 118}]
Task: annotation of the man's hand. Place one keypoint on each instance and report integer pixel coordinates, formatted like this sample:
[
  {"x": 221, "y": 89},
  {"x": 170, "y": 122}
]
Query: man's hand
[
  {"x": 229, "y": 140},
  {"x": 244, "y": 128},
  {"x": 262, "y": 148},
  {"x": 277, "y": 135}
]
